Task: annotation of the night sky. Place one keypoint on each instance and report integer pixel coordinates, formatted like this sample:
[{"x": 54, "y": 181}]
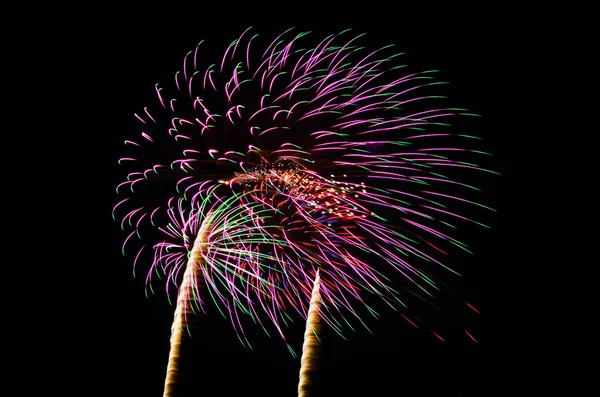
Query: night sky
[{"x": 100, "y": 336}]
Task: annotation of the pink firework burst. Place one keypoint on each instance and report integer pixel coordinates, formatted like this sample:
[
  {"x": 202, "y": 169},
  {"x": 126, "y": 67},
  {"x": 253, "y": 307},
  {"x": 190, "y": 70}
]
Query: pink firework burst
[{"x": 329, "y": 158}]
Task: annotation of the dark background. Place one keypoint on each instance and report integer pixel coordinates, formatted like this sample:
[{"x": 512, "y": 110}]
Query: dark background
[{"x": 100, "y": 336}]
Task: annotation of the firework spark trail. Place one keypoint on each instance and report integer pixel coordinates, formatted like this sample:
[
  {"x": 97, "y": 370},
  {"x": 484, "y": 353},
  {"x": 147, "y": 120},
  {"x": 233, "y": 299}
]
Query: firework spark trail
[
  {"x": 312, "y": 344},
  {"x": 312, "y": 159},
  {"x": 180, "y": 321},
  {"x": 188, "y": 291}
]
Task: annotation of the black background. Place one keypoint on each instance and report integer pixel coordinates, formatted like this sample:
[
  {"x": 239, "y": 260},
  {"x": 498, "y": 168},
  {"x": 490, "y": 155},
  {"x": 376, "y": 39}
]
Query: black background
[{"x": 99, "y": 335}]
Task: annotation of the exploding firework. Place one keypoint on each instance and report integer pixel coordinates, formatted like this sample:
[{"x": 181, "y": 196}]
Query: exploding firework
[{"x": 331, "y": 160}]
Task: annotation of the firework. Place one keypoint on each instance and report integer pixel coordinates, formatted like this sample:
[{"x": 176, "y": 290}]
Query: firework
[
  {"x": 312, "y": 344},
  {"x": 331, "y": 160}
]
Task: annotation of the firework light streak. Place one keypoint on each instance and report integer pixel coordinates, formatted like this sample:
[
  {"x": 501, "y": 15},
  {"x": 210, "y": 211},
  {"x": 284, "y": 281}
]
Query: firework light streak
[
  {"x": 188, "y": 288},
  {"x": 312, "y": 344},
  {"x": 329, "y": 160}
]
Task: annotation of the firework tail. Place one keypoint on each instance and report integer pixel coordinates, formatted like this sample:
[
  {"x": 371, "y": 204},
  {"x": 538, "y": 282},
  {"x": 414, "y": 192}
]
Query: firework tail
[
  {"x": 183, "y": 307},
  {"x": 312, "y": 345}
]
